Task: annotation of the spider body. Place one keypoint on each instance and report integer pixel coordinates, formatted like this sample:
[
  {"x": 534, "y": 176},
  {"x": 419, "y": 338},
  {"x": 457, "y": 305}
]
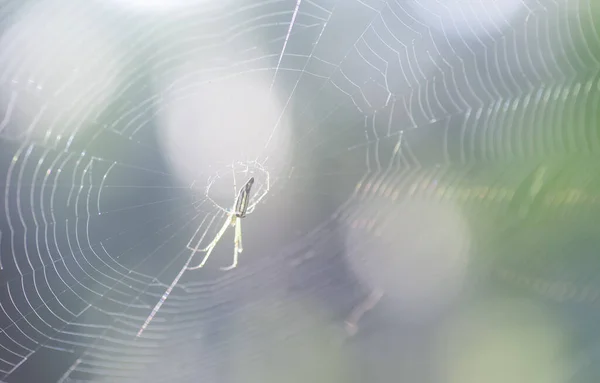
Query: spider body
[{"x": 241, "y": 205}]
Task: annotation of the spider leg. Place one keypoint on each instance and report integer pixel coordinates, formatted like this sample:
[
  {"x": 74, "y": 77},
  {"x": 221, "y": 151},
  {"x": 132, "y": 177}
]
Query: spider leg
[
  {"x": 238, "y": 236},
  {"x": 214, "y": 242},
  {"x": 235, "y": 191},
  {"x": 237, "y": 242},
  {"x": 351, "y": 323}
]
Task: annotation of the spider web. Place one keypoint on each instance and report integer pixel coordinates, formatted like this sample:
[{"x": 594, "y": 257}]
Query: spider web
[{"x": 390, "y": 100}]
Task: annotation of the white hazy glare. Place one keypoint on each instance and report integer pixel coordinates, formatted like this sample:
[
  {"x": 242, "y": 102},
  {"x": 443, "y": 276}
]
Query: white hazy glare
[
  {"x": 416, "y": 254},
  {"x": 469, "y": 18},
  {"x": 66, "y": 71},
  {"x": 210, "y": 125},
  {"x": 156, "y": 5}
]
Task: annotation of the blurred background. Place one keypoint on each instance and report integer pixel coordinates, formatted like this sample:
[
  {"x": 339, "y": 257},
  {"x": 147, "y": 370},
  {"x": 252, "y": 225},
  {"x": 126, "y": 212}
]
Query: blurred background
[{"x": 427, "y": 187}]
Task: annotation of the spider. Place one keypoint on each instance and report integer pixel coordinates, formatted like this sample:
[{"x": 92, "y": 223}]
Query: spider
[
  {"x": 241, "y": 207},
  {"x": 239, "y": 211}
]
